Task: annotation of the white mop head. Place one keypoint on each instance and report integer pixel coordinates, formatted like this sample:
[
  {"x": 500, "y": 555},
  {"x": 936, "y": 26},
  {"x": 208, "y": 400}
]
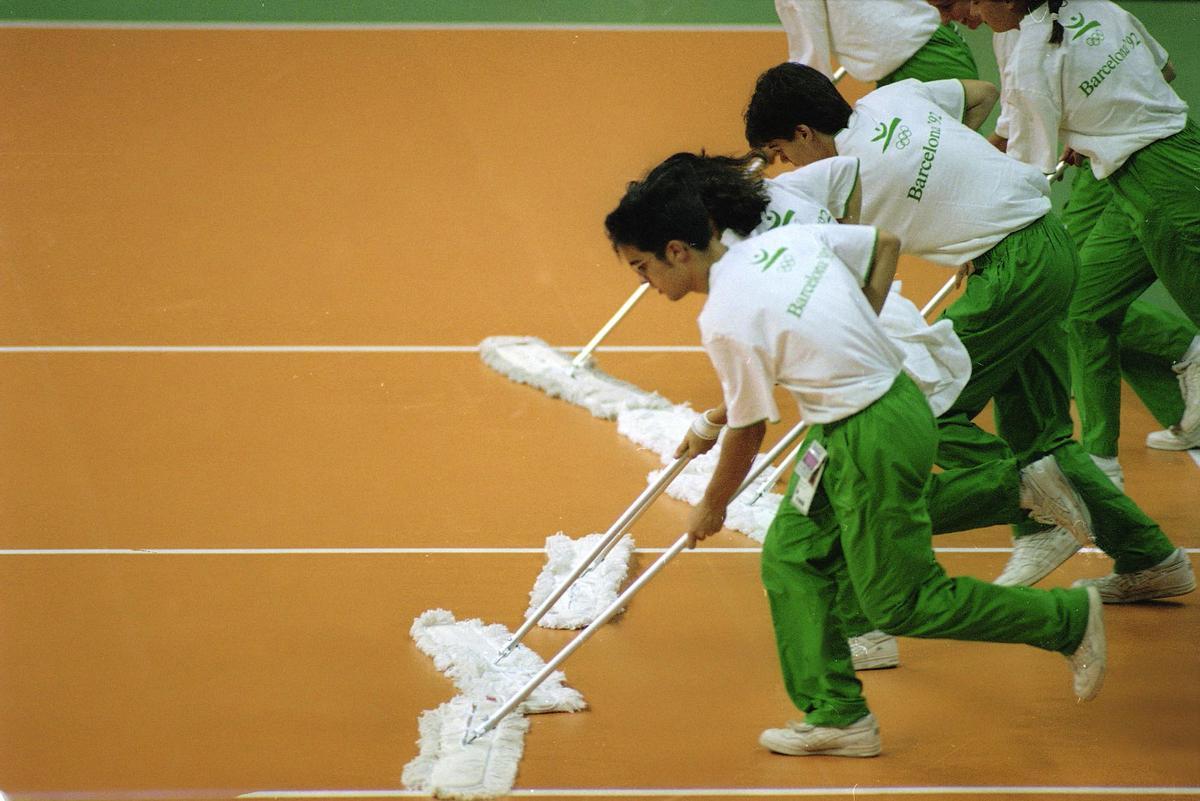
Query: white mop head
[
  {"x": 529, "y": 360},
  {"x": 592, "y": 592},
  {"x": 466, "y": 652},
  {"x": 485, "y": 768},
  {"x": 661, "y": 431}
]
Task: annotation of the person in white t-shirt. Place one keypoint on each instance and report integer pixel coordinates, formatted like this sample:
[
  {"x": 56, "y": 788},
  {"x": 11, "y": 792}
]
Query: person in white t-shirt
[
  {"x": 797, "y": 306},
  {"x": 1087, "y": 75},
  {"x": 954, "y": 199},
  {"x": 933, "y": 355},
  {"x": 875, "y": 40},
  {"x": 1159, "y": 351}
]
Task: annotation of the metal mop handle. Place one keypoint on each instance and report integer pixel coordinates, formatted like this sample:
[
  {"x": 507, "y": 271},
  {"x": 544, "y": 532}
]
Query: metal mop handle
[
  {"x": 621, "y": 601},
  {"x": 838, "y": 74},
  {"x": 777, "y": 473},
  {"x": 938, "y": 296},
  {"x": 1060, "y": 170},
  {"x": 755, "y": 471},
  {"x": 622, "y": 524},
  {"x": 612, "y": 322}
]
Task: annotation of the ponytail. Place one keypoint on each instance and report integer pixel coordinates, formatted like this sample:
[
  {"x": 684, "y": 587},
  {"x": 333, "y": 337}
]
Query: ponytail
[
  {"x": 1053, "y": 6},
  {"x": 1056, "y": 32}
]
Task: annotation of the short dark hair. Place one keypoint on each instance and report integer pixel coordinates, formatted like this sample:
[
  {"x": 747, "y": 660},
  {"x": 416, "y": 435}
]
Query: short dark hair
[
  {"x": 665, "y": 205},
  {"x": 791, "y": 94}
]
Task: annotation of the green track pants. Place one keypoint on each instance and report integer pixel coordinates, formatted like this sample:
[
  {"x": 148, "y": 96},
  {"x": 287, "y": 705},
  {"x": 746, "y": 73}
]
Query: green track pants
[
  {"x": 868, "y": 534},
  {"x": 946, "y": 55},
  {"x": 1112, "y": 334},
  {"x": 1011, "y": 320}
]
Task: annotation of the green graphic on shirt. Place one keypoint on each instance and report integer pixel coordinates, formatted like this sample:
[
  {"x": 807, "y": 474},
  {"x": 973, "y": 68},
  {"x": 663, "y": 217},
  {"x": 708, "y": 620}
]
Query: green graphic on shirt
[
  {"x": 1080, "y": 26},
  {"x": 885, "y": 132},
  {"x": 768, "y": 259},
  {"x": 776, "y": 219}
]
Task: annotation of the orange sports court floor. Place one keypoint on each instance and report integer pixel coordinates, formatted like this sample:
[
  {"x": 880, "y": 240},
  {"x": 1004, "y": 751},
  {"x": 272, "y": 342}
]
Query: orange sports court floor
[{"x": 246, "y": 438}]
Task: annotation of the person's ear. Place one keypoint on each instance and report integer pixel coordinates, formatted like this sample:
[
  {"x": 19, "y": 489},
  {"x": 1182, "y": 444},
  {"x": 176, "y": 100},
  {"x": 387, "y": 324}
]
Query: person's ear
[
  {"x": 803, "y": 134},
  {"x": 677, "y": 252}
]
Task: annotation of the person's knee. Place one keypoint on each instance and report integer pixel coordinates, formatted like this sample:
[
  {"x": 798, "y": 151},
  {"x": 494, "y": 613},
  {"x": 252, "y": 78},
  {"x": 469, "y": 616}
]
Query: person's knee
[{"x": 893, "y": 615}]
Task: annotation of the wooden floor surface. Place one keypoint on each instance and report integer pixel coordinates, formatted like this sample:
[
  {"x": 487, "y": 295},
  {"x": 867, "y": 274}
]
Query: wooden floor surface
[{"x": 237, "y": 189}]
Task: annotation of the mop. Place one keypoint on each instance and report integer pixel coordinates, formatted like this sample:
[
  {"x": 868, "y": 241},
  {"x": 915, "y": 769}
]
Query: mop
[
  {"x": 529, "y": 360},
  {"x": 594, "y": 589},
  {"x": 446, "y": 769},
  {"x": 465, "y": 651}
]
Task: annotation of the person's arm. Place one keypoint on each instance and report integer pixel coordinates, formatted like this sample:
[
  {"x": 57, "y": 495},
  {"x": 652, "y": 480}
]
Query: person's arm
[
  {"x": 806, "y": 23},
  {"x": 979, "y": 99},
  {"x": 999, "y": 142},
  {"x": 853, "y": 205},
  {"x": 737, "y": 455},
  {"x": 883, "y": 269},
  {"x": 694, "y": 444}
]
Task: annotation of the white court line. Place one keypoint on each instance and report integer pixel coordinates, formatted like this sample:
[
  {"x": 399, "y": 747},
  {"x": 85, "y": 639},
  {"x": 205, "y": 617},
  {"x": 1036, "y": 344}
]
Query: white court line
[
  {"x": 750, "y": 792},
  {"x": 396, "y": 551},
  {"x": 322, "y": 348}
]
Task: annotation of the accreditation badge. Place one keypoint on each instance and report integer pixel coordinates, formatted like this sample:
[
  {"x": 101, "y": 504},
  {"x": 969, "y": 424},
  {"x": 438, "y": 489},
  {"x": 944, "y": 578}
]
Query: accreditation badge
[{"x": 808, "y": 475}]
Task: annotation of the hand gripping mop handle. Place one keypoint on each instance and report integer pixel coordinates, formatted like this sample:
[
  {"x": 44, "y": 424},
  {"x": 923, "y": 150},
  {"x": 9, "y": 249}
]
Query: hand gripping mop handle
[
  {"x": 583, "y": 355},
  {"x": 583, "y": 636},
  {"x": 610, "y": 538},
  {"x": 622, "y": 524}
]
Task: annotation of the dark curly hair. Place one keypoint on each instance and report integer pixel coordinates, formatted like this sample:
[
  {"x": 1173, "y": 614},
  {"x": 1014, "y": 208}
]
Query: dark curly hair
[{"x": 683, "y": 198}]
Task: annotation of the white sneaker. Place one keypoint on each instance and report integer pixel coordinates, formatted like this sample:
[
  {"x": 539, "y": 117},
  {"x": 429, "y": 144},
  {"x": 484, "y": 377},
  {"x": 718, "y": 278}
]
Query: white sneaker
[
  {"x": 1189, "y": 387},
  {"x": 1110, "y": 467},
  {"x": 1170, "y": 577},
  {"x": 1172, "y": 439},
  {"x": 1035, "y": 556},
  {"x": 874, "y": 650},
  {"x": 1090, "y": 658},
  {"x": 859, "y": 739},
  {"x": 1051, "y": 499}
]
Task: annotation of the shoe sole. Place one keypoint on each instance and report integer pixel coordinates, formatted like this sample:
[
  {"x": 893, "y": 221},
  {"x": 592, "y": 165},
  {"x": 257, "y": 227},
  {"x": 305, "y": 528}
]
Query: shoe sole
[
  {"x": 848, "y": 751},
  {"x": 1168, "y": 592},
  {"x": 1036, "y": 577},
  {"x": 1095, "y": 628},
  {"x": 877, "y": 663},
  {"x": 1161, "y": 446}
]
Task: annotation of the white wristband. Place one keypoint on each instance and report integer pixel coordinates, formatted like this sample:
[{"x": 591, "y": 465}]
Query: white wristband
[{"x": 704, "y": 428}]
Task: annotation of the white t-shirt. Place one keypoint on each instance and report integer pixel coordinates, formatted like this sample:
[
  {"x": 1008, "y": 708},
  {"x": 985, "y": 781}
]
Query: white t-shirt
[
  {"x": 934, "y": 357},
  {"x": 787, "y": 308},
  {"x": 817, "y": 193},
  {"x": 1101, "y": 92},
  {"x": 870, "y": 38},
  {"x": 935, "y": 183}
]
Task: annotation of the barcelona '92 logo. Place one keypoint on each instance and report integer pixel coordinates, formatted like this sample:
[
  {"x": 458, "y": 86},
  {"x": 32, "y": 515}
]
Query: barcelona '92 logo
[{"x": 1080, "y": 26}]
